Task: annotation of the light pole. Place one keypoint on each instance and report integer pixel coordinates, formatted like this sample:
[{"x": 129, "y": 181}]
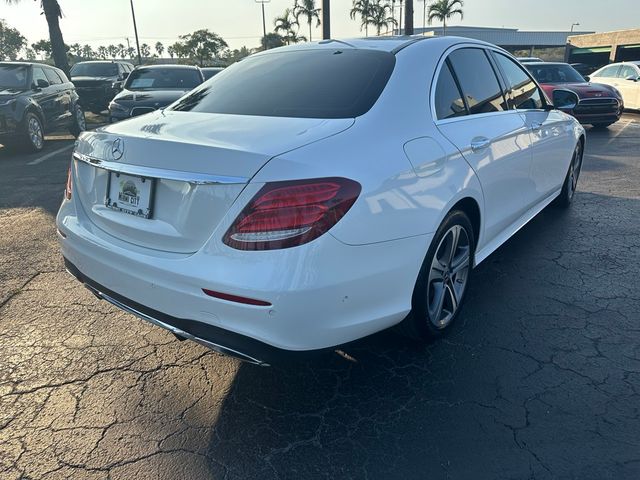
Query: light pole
[
  {"x": 264, "y": 21},
  {"x": 574, "y": 25},
  {"x": 326, "y": 19},
  {"x": 135, "y": 29},
  {"x": 424, "y": 16}
]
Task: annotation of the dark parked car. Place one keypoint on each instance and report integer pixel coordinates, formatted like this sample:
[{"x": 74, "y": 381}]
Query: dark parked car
[
  {"x": 35, "y": 99},
  {"x": 209, "y": 72},
  {"x": 153, "y": 87},
  {"x": 98, "y": 82},
  {"x": 598, "y": 105}
]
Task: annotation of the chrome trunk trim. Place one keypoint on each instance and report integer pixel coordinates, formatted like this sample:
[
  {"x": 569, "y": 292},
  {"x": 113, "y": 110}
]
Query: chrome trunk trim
[{"x": 161, "y": 173}]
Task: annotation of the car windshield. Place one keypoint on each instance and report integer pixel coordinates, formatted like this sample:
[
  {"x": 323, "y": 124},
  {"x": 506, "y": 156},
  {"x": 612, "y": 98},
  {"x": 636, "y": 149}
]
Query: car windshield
[
  {"x": 13, "y": 77},
  {"x": 163, "y": 79},
  {"x": 562, "y": 73},
  {"x": 94, "y": 70},
  {"x": 324, "y": 83}
]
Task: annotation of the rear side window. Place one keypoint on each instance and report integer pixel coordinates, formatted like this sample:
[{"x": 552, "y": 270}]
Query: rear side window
[
  {"x": 52, "y": 76},
  {"x": 478, "y": 81},
  {"x": 323, "y": 83},
  {"x": 610, "y": 71},
  {"x": 448, "y": 99},
  {"x": 523, "y": 91}
]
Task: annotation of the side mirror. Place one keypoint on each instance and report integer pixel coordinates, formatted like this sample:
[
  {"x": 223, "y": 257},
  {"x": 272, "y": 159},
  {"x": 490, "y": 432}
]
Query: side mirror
[
  {"x": 587, "y": 78},
  {"x": 565, "y": 99},
  {"x": 117, "y": 85},
  {"x": 632, "y": 78},
  {"x": 41, "y": 83}
]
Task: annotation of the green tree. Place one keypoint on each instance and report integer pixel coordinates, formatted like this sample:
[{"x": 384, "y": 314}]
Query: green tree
[
  {"x": 272, "y": 40},
  {"x": 307, "y": 8},
  {"x": 30, "y": 54},
  {"x": 43, "y": 47},
  {"x": 130, "y": 52},
  {"x": 11, "y": 42},
  {"x": 76, "y": 49},
  {"x": 122, "y": 50},
  {"x": 443, "y": 10},
  {"x": 232, "y": 56},
  {"x": 202, "y": 45},
  {"x": 159, "y": 48},
  {"x": 113, "y": 51},
  {"x": 53, "y": 14},
  {"x": 287, "y": 26},
  {"x": 145, "y": 50},
  {"x": 171, "y": 51}
]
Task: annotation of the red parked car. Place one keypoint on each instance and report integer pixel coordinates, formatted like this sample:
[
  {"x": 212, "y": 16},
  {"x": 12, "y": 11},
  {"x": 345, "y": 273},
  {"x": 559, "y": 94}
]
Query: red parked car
[{"x": 600, "y": 105}]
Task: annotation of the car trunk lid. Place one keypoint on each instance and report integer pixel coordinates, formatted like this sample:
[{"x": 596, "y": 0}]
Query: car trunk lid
[{"x": 197, "y": 165}]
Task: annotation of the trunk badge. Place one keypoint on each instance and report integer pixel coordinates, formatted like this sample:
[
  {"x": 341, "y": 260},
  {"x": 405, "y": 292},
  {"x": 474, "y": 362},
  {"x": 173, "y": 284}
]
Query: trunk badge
[{"x": 117, "y": 149}]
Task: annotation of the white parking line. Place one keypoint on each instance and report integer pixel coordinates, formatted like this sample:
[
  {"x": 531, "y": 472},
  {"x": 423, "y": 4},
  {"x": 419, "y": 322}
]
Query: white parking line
[{"x": 49, "y": 155}]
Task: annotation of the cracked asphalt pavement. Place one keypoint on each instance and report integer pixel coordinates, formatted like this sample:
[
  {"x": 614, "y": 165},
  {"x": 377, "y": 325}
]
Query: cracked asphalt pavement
[{"x": 539, "y": 380}]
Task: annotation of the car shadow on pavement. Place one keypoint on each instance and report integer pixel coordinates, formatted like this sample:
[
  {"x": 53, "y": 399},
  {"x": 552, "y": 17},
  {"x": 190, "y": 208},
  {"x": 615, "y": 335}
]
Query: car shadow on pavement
[{"x": 517, "y": 385}]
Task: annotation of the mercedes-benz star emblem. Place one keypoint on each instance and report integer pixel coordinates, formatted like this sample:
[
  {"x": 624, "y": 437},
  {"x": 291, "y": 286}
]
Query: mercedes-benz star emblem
[{"x": 117, "y": 149}]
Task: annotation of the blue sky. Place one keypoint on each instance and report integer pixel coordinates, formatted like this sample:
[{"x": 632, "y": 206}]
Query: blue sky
[{"x": 239, "y": 21}]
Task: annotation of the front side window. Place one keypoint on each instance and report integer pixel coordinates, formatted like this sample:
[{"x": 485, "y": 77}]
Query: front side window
[
  {"x": 628, "y": 71},
  {"x": 523, "y": 91},
  {"x": 448, "y": 99},
  {"x": 608, "y": 72},
  {"x": 38, "y": 74},
  {"x": 478, "y": 81},
  {"x": 324, "y": 83},
  {"x": 13, "y": 77},
  {"x": 163, "y": 79}
]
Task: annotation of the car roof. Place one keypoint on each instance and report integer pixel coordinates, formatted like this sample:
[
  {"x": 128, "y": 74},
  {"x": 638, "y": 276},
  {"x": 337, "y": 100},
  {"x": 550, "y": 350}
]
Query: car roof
[
  {"x": 153, "y": 67},
  {"x": 212, "y": 68},
  {"x": 391, "y": 44},
  {"x": 28, "y": 64},
  {"x": 536, "y": 64}
]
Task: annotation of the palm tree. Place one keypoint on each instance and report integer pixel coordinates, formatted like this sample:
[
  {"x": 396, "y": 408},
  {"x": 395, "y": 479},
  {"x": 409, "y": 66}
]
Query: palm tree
[
  {"x": 307, "y": 8},
  {"x": 363, "y": 9},
  {"x": 285, "y": 24},
  {"x": 159, "y": 48},
  {"x": 443, "y": 10},
  {"x": 53, "y": 14},
  {"x": 379, "y": 16}
]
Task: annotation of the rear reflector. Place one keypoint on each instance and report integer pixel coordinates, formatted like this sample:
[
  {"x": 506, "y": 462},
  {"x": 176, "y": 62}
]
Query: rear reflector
[
  {"x": 288, "y": 214},
  {"x": 236, "y": 299},
  {"x": 68, "y": 189}
]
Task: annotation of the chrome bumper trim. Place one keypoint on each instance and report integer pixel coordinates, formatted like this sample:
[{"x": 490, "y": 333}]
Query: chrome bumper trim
[{"x": 176, "y": 331}]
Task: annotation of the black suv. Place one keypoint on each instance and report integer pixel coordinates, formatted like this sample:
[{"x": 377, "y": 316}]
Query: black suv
[
  {"x": 98, "y": 82},
  {"x": 35, "y": 99}
]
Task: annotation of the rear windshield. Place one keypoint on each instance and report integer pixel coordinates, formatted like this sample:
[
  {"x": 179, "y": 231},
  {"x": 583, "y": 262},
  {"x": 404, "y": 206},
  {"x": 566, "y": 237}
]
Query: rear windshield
[
  {"x": 554, "y": 73},
  {"x": 13, "y": 77},
  {"x": 304, "y": 84},
  {"x": 163, "y": 79},
  {"x": 94, "y": 70}
]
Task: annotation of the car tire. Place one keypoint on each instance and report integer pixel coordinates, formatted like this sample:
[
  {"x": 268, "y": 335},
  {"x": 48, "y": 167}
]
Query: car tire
[
  {"x": 602, "y": 126},
  {"x": 32, "y": 133},
  {"x": 443, "y": 280},
  {"x": 79, "y": 123},
  {"x": 570, "y": 184}
]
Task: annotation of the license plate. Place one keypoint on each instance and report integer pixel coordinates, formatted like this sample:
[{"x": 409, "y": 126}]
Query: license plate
[{"x": 130, "y": 194}]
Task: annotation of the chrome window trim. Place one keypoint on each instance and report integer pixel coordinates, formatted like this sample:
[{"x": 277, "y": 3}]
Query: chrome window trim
[{"x": 161, "y": 173}]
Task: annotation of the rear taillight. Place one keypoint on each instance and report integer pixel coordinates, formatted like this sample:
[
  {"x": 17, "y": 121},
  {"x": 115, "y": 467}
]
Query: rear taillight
[
  {"x": 288, "y": 214},
  {"x": 68, "y": 190}
]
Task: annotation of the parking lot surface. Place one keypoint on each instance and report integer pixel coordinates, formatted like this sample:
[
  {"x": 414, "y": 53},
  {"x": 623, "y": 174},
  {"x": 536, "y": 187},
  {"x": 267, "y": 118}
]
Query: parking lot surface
[{"x": 540, "y": 379}]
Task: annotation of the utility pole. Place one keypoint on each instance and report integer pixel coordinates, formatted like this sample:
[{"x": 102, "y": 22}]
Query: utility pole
[
  {"x": 135, "y": 29},
  {"x": 264, "y": 21},
  {"x": 424, "y": 16},
  {"x": 326, "y": 19},
  {"x": 408, "y": 17},
  {"x": 401, "y": 14}
]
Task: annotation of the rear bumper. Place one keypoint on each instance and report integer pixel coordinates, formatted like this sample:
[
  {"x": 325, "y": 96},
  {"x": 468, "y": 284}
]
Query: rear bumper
[{"x": 322, "y": 295}]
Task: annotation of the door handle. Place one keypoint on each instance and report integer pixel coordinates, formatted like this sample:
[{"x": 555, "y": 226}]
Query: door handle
[
  {"x": 480, "y": 143},
  {"x": 536, "y": 126}
]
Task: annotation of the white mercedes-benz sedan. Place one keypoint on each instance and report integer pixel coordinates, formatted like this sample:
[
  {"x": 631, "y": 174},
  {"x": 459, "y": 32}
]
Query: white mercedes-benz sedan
[{"x": 311, "y": 195}]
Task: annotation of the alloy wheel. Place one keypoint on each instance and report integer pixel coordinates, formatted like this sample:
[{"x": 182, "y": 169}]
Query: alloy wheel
[
  {"x": 80, "y": 120},
  {"x": 574, "y": 170},
  {"x": 36, "y": 134},
  {"x": 448, "y": 276}
]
